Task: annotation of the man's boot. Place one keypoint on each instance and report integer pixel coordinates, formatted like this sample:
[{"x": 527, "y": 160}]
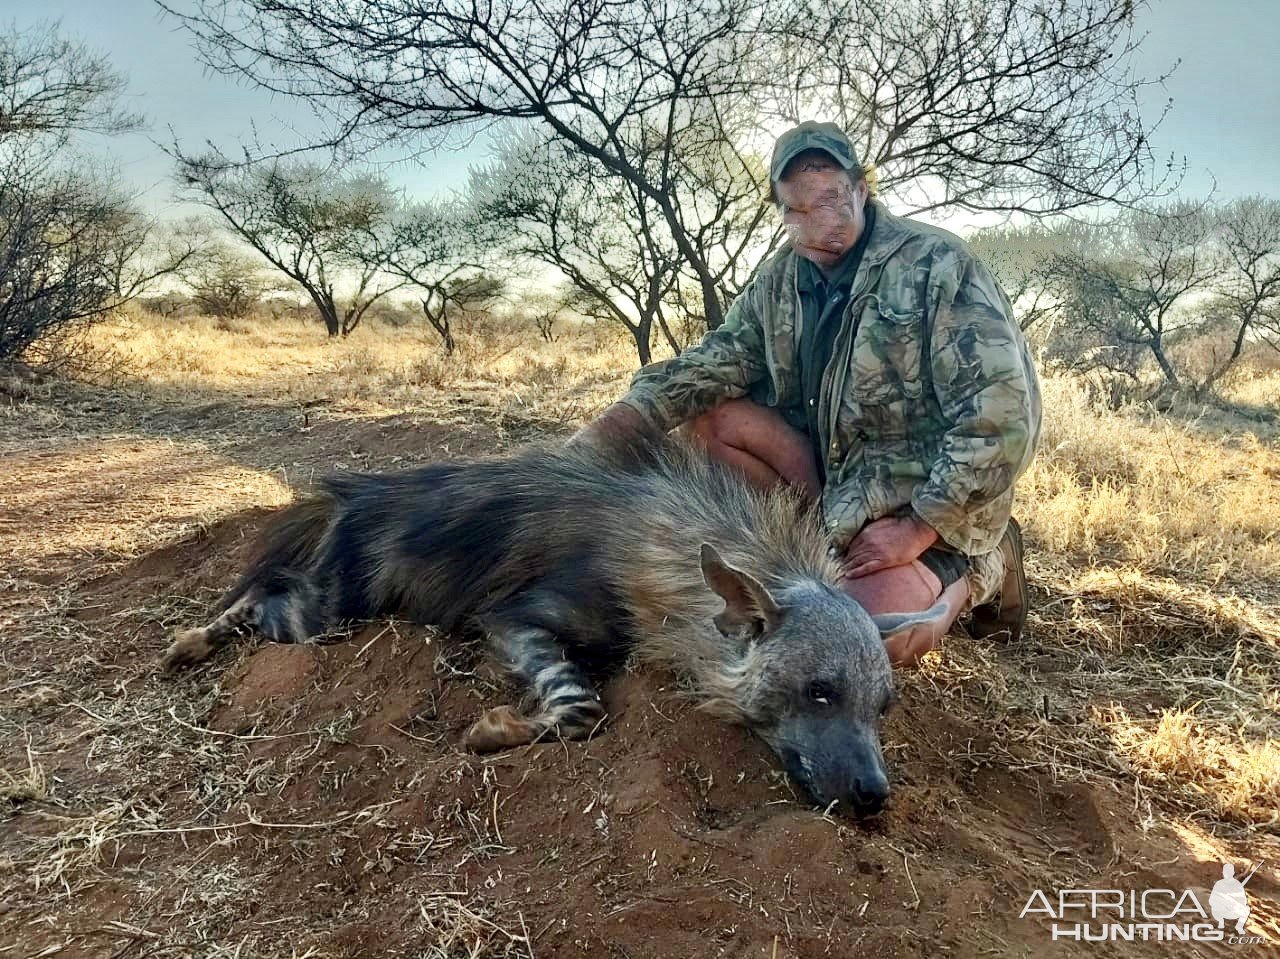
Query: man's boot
[{"x": 1003, "y": 617}]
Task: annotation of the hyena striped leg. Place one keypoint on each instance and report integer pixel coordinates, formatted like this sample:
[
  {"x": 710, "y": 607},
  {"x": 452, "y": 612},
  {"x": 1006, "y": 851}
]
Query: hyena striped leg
[
  {"x": 191, "y": 646},
  {"x": 565, "y": 704},
  {"x": 292, "y": 615}
]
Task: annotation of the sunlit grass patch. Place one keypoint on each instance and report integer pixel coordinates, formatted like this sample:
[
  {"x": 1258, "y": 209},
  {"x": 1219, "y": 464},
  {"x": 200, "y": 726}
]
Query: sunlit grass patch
[
  {"x": 1235, "y": 776},
  {"x": 1152, "y": 492}
]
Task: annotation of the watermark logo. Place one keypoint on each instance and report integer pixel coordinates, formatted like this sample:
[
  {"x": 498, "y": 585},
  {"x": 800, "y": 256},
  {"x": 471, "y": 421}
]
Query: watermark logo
[
  {"x": 1149, "y": 915},
  {"x": 1229, "y": 902}
]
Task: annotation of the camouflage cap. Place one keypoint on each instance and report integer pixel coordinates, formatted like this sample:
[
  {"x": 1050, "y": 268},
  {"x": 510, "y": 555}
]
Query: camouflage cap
[{"x": 812, "y": 135}]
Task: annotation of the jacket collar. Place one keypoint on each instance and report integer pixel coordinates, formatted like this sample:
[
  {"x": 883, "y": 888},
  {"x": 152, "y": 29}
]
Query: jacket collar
[{"x": 890, "y": 233}]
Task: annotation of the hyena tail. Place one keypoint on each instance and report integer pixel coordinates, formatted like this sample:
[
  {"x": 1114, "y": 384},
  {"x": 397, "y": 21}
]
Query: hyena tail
[{"x": 276, "y": 596}]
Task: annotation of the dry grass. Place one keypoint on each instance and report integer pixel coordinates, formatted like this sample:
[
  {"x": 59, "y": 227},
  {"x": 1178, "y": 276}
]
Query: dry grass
[
  {"x": 1152, "y": 663},
  {"x": 1255, "y": 383},
  {"x": 1237, "y": 777},
  {"x": 1160, "y": 550},
  {"x": 1154, "y": 493},
  {"x": 380, "y": 364},
  {"x": 24, "y": 786},
  {"x": 1156, "y": 542},
  {"x": 456, "y": 929}
]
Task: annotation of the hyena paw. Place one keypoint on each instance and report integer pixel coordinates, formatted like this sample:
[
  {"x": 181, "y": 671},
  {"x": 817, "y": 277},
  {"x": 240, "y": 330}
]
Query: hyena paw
[
  {"x": 577, "y": 720},
  {"x": 504, "y": 727},
  {"x": 501, "y": 728},
  {"x": 189, "y": 647}
]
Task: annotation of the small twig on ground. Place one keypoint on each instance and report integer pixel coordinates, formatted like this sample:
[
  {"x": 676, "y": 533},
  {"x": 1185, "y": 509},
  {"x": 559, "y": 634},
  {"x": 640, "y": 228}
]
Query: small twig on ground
[
  {"x": 253, "y": 737},
  {"x": 245, "y": 823},
  {"x": 906, "y": 866}
]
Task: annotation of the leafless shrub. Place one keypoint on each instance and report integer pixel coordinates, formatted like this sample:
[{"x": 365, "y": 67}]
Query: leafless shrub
[
  {"x": 73, "y": 246},
  {"x": 227, "y": 284}
]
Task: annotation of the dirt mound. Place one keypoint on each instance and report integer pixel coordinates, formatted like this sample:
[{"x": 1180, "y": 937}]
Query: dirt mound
[
  {"x": 315, "y": 801},
  {"x": 336, "y": 810}
]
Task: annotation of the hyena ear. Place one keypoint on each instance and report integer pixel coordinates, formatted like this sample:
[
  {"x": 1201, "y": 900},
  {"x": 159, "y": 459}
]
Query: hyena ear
[
  {"x": 891, "y": 624},
  {"x": 747, "y": 604}
]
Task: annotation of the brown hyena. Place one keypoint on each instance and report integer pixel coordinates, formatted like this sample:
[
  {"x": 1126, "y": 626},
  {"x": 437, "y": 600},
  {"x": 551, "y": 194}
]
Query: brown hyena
[{"x": 561, "y": 556}]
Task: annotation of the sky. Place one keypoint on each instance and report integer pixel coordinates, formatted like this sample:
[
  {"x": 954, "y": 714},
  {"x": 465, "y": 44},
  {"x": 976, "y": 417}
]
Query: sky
[{"x": 1225, "y": 93}]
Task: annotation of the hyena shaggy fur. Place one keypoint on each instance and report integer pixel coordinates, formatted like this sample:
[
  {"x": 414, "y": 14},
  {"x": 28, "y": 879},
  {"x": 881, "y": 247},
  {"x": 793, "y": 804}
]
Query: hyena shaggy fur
[{"x": 562, "y": 556}]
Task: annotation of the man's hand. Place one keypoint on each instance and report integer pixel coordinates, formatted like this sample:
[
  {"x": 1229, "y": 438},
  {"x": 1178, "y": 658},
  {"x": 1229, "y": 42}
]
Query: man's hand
[
  {"x": 618, "y": 425},
  {"x": 887, "y": 542}
]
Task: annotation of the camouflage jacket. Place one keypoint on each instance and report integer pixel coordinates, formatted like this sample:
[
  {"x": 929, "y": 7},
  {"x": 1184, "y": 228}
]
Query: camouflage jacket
[{"x": 930, "y": 401}]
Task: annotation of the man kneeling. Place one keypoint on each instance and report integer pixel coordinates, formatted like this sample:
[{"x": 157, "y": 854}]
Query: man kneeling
[{"x": 873, "y": 363}]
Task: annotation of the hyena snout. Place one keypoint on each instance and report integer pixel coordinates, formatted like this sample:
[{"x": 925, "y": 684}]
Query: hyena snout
[
  {"x": 837, "y": 763},
  {"x": 862, "y": 790},
  {"x": 857, "y": 780},
  {"x": 869, "y": 792}
]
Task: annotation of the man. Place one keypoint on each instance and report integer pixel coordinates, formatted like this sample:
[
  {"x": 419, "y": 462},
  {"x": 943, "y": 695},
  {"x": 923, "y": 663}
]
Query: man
[{"x": 873, "y": 363}]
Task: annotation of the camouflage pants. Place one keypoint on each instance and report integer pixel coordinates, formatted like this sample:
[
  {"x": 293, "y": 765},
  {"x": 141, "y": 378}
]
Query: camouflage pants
[{"x": 986, "y": 572}]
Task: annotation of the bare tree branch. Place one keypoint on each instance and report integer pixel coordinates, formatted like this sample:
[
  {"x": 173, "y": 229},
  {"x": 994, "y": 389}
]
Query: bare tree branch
[
  {"x": 51, "y": 87},
  {"x": 1128, "y": 288},
  {"x": 1248, "y": 287},
  {"x": 72, "y": 246},
  {"x": 1012, "y": 105}
]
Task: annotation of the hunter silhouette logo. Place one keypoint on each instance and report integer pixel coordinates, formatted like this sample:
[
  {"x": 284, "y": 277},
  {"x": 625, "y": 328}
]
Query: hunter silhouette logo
[
  {"x": 1228, "y": 902},
  {"x": 1149, "y": 915}
]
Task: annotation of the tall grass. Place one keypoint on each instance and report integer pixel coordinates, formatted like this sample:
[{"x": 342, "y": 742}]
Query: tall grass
[{"x": 1154, "y": 492}]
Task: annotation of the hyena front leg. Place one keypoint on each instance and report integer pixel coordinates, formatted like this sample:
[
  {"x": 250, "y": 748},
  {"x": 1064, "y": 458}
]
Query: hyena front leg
[
  {"x": 292, "y": 615},
  {"x": 565, "y": 704},
  {"x": 191, "y": 646}
]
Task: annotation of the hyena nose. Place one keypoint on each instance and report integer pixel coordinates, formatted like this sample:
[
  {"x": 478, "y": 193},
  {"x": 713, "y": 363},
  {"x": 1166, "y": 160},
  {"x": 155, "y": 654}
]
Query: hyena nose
[{"x": 870, "y": 792}]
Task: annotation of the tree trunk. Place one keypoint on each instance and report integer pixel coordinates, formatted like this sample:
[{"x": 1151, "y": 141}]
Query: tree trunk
[
  {"x": 711, "y": 309},
  {"x": 328, "y": 311},
  {"x": 1157, "y": 350},
  {"x": 711, "y": 306},
  {"x": 641, "y": 334},
  {"x": 441, "y": 325},
  {"x": 1236, "y": 349}
]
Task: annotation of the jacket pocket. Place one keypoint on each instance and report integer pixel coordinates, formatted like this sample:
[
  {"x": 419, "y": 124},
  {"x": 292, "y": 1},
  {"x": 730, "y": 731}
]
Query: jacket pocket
[
  {"x": 888, "y": 357},
  {"x": 886, "y": 378}
]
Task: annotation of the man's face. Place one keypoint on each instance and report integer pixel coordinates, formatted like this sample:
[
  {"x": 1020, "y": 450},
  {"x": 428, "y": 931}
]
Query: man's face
[{"x": 822, "y": 212}]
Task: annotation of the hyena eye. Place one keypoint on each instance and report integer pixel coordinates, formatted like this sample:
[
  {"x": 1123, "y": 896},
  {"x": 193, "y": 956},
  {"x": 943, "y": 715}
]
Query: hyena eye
[{"x": 821, "y": 692}]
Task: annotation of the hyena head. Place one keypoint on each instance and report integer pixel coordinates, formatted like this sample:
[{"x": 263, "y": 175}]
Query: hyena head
[{"x": 813, "y": 680}]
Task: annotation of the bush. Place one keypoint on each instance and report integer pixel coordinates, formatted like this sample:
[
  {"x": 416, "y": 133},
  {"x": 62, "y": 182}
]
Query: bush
[
  {"x": 227, "y": 284},
  {"x": 56, "y": 233}
]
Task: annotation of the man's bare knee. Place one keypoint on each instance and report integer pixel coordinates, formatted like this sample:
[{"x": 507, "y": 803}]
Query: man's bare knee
[
  {"x": 701, "y": 429},
  {"x": 759, "y": 441},
  {"x": 722, "y": 422},
  {"x": 899, "y": 589}
]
